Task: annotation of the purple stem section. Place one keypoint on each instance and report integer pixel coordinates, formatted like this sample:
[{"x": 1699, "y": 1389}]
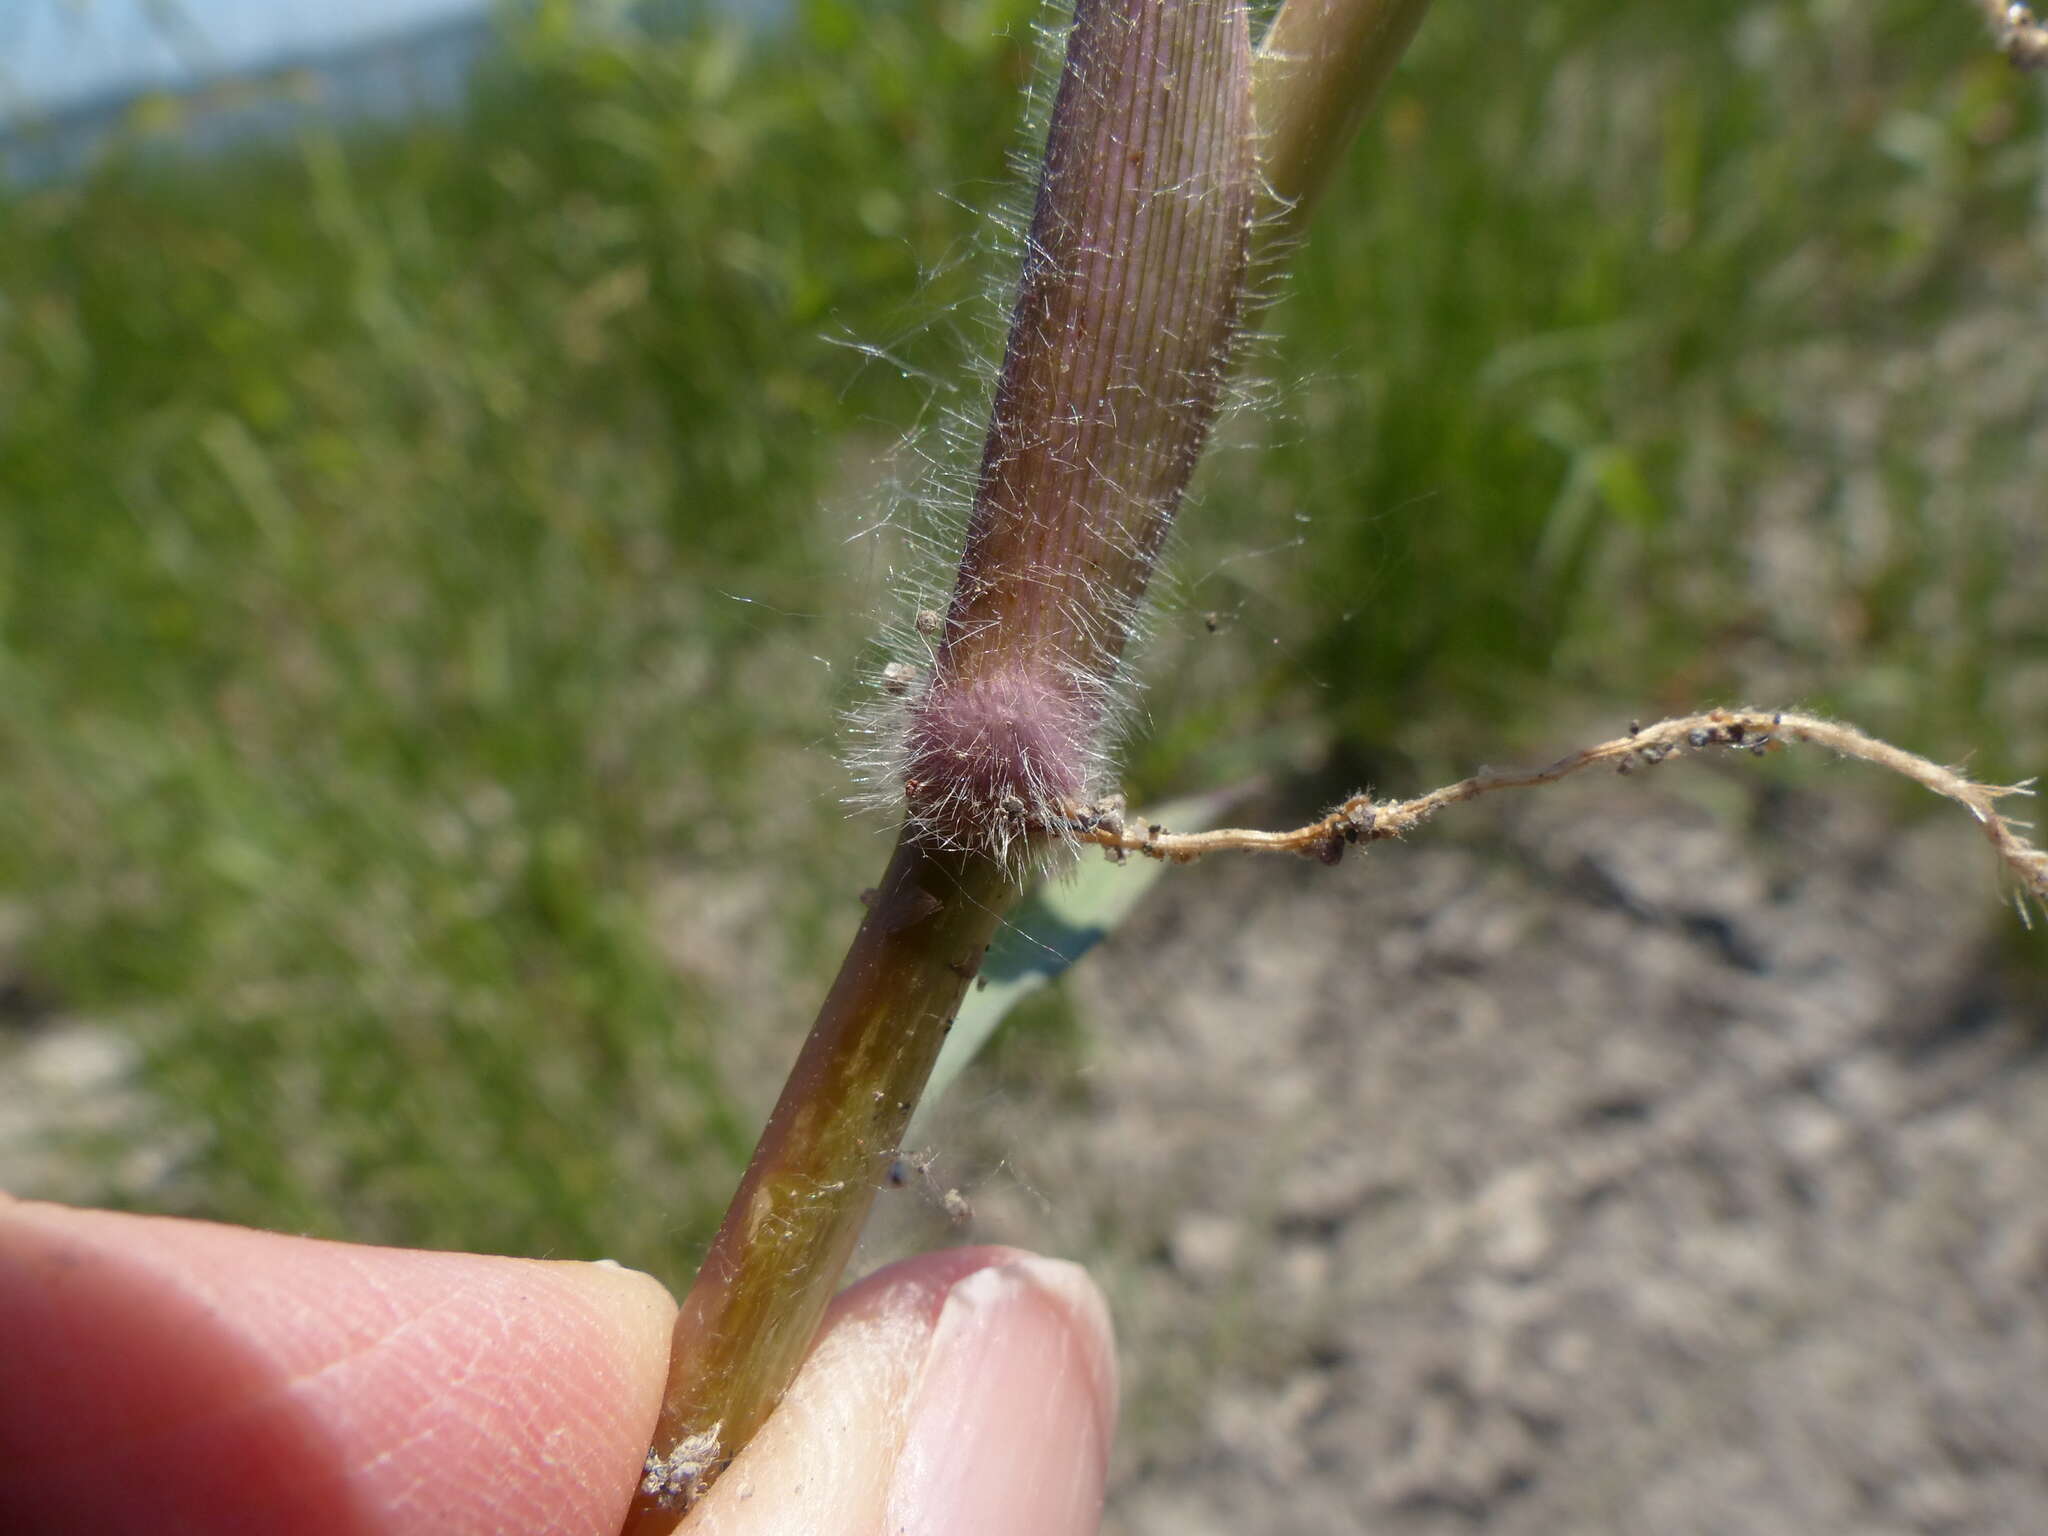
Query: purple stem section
[{"x": 1119, "y": 346}]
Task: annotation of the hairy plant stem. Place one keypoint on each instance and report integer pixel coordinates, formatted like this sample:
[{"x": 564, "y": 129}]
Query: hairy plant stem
[
  {"x": 1125, "y": 316},
  {"x": 747, "y": 1322},
  {"x": 1120, "y": 341},
  {"x": 1133, "y": 289}
]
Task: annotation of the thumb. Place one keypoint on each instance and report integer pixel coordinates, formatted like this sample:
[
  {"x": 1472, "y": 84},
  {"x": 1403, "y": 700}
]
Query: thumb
[{"x": 968, "y": 1391}]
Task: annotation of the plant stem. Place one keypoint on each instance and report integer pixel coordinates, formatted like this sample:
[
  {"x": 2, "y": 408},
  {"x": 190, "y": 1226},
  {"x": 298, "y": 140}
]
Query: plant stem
[
  {"x": 1133, "y": 289},
  {"x": 749, "y": 1319},
  {"x": 1120, "y": 341},
  {"x": 1125, "y": 319},
  {"x": 1319, "y": 70}
]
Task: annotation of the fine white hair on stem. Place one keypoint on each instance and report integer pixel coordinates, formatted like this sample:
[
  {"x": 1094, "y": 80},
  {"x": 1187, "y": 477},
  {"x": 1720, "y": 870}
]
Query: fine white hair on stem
[
  {"x": 1362, "y": 819},
  {"x": 925, "y": 504},
  {"x": 1122, "y": 328}
]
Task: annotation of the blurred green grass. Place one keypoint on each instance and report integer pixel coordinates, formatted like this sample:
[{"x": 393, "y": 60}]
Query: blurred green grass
[{"x": 425, "y": 578}]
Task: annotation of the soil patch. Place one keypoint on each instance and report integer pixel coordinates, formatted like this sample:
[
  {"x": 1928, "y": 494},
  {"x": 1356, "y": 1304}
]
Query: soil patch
[{"x": 1670, "y": 1159}]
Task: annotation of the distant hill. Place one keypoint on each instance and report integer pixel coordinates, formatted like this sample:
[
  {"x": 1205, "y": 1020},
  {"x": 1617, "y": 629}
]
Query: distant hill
[{"x": 421, "y": 69}]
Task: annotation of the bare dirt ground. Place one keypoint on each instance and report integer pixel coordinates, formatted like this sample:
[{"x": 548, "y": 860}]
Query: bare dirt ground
[{"x": 1654, "y": 1157}]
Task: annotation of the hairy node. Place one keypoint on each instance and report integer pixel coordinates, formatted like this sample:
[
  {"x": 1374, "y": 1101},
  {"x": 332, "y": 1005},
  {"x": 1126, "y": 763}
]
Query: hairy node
[{"x": 993, "y": 758}]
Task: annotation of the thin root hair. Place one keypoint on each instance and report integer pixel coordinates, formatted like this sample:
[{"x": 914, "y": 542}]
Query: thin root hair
[{"x": 1362, "y": 819}]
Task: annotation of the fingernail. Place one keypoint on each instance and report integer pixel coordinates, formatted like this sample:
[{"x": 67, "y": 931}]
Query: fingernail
[{"x": 1010, "y": 1425}]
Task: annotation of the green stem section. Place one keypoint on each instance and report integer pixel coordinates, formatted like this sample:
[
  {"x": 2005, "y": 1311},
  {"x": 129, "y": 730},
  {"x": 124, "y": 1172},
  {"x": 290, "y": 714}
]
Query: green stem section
[
  {"x": 1318, "y": 71},
  {"x": 756, "y": 1305}
]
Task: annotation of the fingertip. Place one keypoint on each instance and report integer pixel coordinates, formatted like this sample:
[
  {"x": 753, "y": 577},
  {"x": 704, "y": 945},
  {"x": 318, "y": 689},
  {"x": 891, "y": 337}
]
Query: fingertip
[
  {"x": 633, "y": 1313},
  {"x": 1013, "y": 1418},
  {"x": 972, "y": 1389}
]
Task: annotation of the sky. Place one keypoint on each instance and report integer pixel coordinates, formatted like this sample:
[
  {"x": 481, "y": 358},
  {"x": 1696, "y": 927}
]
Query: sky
[{"x": 57, "y": 52}]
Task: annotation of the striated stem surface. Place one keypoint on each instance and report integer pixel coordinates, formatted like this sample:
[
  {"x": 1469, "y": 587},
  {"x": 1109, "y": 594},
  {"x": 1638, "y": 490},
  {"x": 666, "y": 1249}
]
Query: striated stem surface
[
  {"x": 1119, "y": 346},
  {"x": 1121, "y": 335}
]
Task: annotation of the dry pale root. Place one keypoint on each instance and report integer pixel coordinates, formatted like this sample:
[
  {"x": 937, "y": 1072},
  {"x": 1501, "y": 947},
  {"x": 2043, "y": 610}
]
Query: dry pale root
[{"x": 1362, "y": 819}]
